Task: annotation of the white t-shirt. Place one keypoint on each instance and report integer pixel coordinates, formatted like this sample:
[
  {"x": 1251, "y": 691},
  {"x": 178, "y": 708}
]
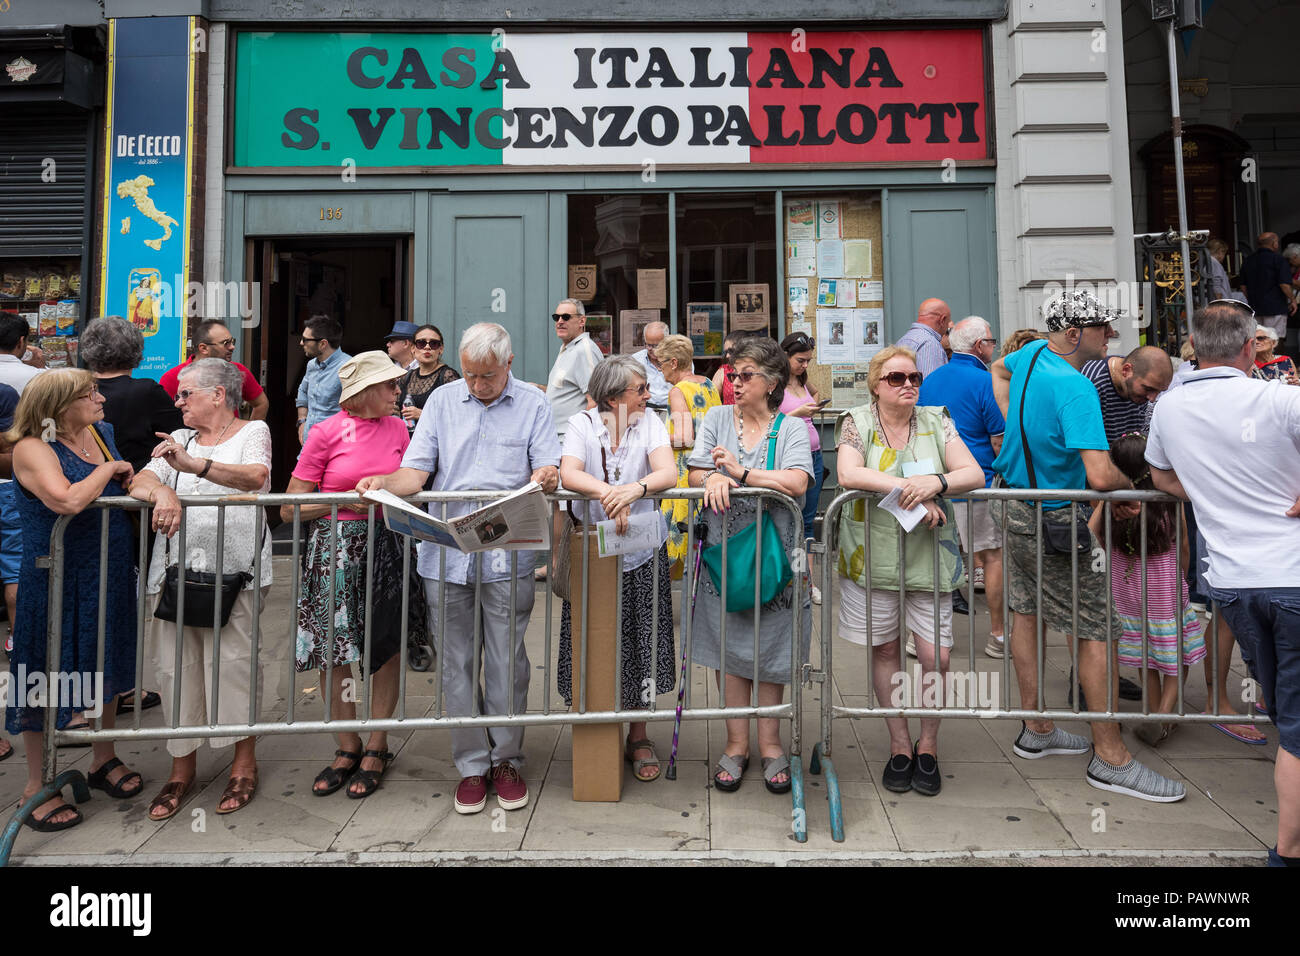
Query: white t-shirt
[
  {"x": 584, "y": 439},
  {"x": 1234, "y": 443},
  {"x": 15, "y": 374}
]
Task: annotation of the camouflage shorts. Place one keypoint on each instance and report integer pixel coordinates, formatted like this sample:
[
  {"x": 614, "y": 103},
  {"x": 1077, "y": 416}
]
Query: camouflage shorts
[{"x": 1021, "y": 559}]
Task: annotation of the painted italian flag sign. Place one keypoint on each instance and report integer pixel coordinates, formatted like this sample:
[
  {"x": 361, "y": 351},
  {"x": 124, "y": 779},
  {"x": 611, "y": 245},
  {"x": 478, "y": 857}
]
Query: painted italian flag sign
[{"x": 411, "y": 100}]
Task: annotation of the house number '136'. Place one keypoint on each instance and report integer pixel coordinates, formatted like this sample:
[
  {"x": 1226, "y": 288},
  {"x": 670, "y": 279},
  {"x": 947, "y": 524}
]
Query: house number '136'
[{"x": 328, "y": 213}]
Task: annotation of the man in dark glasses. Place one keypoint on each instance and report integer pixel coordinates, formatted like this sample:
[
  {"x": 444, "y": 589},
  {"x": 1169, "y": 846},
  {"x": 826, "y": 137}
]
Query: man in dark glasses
[
  {"x": 928, "y": 335},
  {"x": 1055, "y": 438},
  {"x": 567, "y": 386}
]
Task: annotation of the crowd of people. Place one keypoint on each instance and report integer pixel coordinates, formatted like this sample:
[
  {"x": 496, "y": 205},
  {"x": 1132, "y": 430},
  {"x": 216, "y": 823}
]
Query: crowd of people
[{"x": 947, "y": 415}]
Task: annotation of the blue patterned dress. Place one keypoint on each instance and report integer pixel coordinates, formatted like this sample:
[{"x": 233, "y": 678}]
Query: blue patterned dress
[{"x": 80, "y": 597}]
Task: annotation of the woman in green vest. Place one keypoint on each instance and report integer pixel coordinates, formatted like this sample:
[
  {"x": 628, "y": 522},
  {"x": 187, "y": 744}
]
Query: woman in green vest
[{"x": 888, "y": 444}]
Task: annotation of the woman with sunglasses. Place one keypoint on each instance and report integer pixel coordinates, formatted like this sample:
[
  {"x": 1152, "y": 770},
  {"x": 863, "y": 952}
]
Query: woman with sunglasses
[
  {"x": 732, "y": 451},
  {"x": 431, "y": 373},
  {"x": 801, "y": 402},
  {"x": 887, "y": 444},
  {"x": 1270, "y": 366},
  {"x": 721, "y": 381},
  {"x": 616, "y": 455}
]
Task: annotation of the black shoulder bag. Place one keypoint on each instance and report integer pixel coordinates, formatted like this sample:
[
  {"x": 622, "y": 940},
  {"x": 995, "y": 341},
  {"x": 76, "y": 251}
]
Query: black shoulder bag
[
  {"x": 1057, "y": 536},
  {"x": 201, "y": 587}
]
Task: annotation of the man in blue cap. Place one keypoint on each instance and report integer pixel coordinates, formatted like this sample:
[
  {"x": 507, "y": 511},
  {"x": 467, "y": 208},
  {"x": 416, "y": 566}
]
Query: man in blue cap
[{"x": 400, "y": 344}]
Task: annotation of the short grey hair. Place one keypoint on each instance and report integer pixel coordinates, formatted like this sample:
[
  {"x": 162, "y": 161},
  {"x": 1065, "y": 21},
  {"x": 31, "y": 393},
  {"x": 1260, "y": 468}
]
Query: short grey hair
[
  {"x": 486, "y": 341},
  {"x": 214, "y": 372},
  {"x": 582, "y": 309},
  {"x": 111, "y": 344},
  {"x": 966, "y": 333},
  {"x": 611, "y": 377},
  {"x": 1267, "y": 331},
  {"x": 773, "y": 364},
  {"x": 1293, "y": 249},
  {"x": 1220, "y": 332}
]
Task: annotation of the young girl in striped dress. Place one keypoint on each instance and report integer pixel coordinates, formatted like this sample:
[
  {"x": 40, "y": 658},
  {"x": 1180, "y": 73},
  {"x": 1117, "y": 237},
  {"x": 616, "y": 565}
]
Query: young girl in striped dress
[{"x": 1166, "y": 589}]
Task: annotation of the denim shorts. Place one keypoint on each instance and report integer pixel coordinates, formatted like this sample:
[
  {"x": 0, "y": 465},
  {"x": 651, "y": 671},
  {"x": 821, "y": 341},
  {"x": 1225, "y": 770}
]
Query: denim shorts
[
  {"x": 11, "y": 537},
  {"x": 1266, "y": 623}
]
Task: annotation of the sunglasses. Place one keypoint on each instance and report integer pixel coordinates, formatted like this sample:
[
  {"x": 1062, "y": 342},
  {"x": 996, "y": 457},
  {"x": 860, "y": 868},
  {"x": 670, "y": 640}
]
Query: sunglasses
[
  {"x": 642, "y": 389},
  {"x": 898, "y": 379},
  {"x": 428, "y": 343},
  {"x": 1263, "y": 338},
  {"x": 804, "y": 343},
  {"x": 734, "y": 377},
  {"x": 226, "y": 343},
  {"x": 1235, "y": 302},
  {"x": 562, "y": 316},
  {"x": 184, "y": 394}
]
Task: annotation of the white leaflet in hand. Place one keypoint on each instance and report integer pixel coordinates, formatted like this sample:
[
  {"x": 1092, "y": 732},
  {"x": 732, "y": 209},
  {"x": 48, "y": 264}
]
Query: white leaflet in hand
[
  {"x": 645, "y": 532},
  {"x": 909, "y": 518}
]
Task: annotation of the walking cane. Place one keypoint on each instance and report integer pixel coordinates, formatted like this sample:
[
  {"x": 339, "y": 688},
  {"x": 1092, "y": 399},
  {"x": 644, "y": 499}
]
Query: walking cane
[{"x": 671, "y": 772}]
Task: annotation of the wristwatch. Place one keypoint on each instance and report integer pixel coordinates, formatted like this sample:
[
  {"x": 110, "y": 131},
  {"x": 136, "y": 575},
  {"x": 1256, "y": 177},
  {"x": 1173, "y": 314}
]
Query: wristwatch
[
  {"x": 644, "y": 489},
  {"x": 744, "y": 477},
  {"x": 943, "y": 485}
]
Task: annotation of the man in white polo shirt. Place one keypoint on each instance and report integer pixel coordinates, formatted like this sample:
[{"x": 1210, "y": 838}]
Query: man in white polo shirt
[
  {"x": 1231, "y": 445},
  {"x": 566, "y": 389}
]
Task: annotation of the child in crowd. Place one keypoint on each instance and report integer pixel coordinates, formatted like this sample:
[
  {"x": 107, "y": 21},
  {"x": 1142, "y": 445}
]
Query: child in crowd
[{"x": 1166, "y": 588}]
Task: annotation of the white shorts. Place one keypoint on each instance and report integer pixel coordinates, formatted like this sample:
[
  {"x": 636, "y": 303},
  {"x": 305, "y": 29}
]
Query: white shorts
[
  {"x": 884, "y": 615},
  {"x": 988, "y": 537}
]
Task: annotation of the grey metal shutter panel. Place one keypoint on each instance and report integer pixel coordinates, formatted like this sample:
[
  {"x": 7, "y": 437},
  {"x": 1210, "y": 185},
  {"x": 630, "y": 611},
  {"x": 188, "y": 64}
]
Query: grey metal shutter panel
[{"x": 39, "y": 218}]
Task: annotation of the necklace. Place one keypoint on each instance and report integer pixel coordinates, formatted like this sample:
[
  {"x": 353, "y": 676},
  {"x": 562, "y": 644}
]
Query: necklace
[
  {"x": 83, "y": 450},
  {"x": 741, "y": 412},
  {"x": 221, "y": 434}
]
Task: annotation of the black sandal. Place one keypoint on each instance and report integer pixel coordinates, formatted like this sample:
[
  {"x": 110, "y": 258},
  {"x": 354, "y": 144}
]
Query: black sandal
[
  {"x": 370, "y": 778},
  {"x": 44, "y": 825},
  {"x": 335, "y": 777},
  {"x": 126, "y": 702},
  {"x": 98, "y": 779},
  {"x": 84, "y": 725}
]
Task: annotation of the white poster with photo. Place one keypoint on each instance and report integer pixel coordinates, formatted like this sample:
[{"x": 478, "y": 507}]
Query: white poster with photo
[
  {"x": 834, "y": 335},
  {"x": 868, "y": 336},
  {"x": 798, "y": 296}
]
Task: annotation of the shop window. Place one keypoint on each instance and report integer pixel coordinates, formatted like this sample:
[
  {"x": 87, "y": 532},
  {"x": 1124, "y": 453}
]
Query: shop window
[
  {"x": 46, "y": 292},
  {"x": 726, "y": 267},
  {"x": 618, "y": 264},
  {"x": 835, "y": 290}
]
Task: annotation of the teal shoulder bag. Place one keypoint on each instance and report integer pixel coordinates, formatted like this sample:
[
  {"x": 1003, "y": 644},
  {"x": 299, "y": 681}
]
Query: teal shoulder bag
[{"x": 774, "y": 565}]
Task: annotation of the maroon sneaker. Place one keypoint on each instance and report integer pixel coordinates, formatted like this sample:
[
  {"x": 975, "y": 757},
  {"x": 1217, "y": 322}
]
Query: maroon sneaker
[
  {"x": 471, "y": 795},
  {"x": 512, "y": 792}
]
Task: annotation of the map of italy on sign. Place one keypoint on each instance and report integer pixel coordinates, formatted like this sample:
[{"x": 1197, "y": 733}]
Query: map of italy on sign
[{"x": 420, "y": 100}]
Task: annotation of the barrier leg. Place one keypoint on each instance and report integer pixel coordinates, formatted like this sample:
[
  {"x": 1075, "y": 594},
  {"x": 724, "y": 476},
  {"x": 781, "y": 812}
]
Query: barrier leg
[
  {"x": 833, "y": 802},
  {"x": 798, "y": 813},
  {"x": 815, "y": 761},
  {"x": 80, "y": 794}
]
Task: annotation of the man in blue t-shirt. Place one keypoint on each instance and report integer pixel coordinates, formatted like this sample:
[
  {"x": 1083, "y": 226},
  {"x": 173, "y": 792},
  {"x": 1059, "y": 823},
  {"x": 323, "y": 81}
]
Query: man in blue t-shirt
[
  {"x": 965, "y": 388},
  {"x": 1054, "y": 410}
]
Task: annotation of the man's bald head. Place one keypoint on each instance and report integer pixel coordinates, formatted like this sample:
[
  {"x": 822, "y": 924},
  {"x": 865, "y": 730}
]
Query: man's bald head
[
  {"x": 1268, "y": 240},
  {"x": 654, "y": 334},
  {"x": 1144, "y": 374},
  {"x": 935, "y": 314}
]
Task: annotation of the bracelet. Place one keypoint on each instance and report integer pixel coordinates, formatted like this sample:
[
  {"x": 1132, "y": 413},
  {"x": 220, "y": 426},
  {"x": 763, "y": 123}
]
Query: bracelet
[
  {"x": 943, "y": 484},
  {"x": 644, "y": 489},
  {"x": 206, "y": 468},
  {"x": 744, "y": 477}
]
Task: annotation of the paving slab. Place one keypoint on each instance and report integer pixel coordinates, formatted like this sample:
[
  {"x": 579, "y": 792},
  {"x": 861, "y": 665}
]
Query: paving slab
[
  {"x": 1242, "y": 788},
  {"x": 421, "y": 815}
]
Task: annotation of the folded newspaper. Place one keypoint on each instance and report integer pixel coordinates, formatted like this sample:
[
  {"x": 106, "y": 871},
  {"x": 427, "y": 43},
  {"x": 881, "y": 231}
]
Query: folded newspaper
[
  {"x": 518, "y": 522},
  {"x": 645, "y": 532}
]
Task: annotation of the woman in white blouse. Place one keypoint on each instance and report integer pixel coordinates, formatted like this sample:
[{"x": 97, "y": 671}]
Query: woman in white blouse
[
  {"x": 617, "y": 455},
  {"x": 216, "y": 453}
]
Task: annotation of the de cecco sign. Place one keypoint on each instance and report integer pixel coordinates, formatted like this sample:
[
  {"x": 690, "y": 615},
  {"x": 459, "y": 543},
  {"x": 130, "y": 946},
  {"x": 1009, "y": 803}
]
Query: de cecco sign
[{"x": 418, "y": 100}]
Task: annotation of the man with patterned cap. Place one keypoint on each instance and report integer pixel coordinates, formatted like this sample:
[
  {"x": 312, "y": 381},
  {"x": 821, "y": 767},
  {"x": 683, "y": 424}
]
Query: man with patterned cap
[{"x": 1055, "y": 438}]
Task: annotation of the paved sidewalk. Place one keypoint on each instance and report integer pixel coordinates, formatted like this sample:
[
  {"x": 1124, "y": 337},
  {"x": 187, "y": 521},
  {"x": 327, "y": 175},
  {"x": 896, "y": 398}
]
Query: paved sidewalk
[{"x": 994, "y": 808}]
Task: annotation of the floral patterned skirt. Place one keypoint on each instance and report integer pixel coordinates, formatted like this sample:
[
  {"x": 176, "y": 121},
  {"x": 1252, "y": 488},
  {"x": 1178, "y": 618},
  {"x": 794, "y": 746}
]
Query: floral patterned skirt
[{"x": 348, "y": 584}]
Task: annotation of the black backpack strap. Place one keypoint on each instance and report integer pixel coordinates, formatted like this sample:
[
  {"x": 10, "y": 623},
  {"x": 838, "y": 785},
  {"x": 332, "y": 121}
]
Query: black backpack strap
[{"x": 1024, "y": 439}]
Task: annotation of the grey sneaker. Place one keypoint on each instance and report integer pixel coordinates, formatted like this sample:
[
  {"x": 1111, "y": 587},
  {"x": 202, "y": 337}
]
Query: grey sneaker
[
  {"x": 1134, "y": 780},
  {"x": 1032, "y": 745}
]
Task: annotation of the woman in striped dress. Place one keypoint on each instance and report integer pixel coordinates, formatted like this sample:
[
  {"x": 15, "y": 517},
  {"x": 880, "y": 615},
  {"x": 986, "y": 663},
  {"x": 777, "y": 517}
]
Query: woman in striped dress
[{"x": 1166, "y": 589}]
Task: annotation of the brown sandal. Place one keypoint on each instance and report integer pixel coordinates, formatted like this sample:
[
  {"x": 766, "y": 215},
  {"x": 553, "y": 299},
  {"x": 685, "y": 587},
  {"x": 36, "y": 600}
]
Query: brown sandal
[
  {"x": 173, "y": 790},
  {"x": 239, "y": 788}
]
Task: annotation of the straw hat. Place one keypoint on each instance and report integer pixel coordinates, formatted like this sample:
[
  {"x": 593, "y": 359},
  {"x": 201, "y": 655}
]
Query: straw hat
[{"x": 361, "y": 371}]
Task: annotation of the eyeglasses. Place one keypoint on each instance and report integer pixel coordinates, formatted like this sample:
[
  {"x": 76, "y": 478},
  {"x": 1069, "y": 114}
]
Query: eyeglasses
[
  {"x": 989, "y": 341},
  {"x": 1263, "y": 338},
  {"x": 898, "y": 379},
  {"x": 184, "y": 394},
  {"x": 93, "y": 393},
  {"x": 1235, "y": 302},
  {"x": 303, "y": 338},
  {"x": 642, "y": 389},
  {"x": 428, "y": 343},
  {"x": 734, "y": 377},
  {"x": 563, "y": 316}
]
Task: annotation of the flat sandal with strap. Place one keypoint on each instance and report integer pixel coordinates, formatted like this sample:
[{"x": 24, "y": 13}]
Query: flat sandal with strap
[
  {"x": 370, "y": 778},
  {"x": 640, "y": 763},
  {"x": 240, "y": 789},
  {"x": 173, "y": 790}
]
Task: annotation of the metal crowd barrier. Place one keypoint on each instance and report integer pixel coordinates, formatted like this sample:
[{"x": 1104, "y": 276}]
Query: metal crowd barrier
[
  {"x": 820, "y": 760},
  {"x": 256, "y": 726}
]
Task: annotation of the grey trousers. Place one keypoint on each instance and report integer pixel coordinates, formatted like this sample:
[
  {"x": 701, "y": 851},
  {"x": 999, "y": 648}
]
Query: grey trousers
[{"x": 474, "y": 751}]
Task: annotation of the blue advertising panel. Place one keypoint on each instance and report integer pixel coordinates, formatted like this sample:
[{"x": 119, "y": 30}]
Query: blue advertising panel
[{"x": 148, "y": 159}]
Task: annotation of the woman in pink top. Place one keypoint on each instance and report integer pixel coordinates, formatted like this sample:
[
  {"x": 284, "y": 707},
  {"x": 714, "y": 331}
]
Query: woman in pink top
[
  {"x": 363, "y": 439},
  {"x": 801, "y": 402}
]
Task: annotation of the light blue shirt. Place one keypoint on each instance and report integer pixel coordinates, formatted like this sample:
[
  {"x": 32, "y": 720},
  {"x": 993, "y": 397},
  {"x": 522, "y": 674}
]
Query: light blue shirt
[
  {"x": 659, "y": 386},
  {"x": 320, "y": 388},
  {"x": 469, "y": 446},
  {"x": 928, "y": 346}
]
